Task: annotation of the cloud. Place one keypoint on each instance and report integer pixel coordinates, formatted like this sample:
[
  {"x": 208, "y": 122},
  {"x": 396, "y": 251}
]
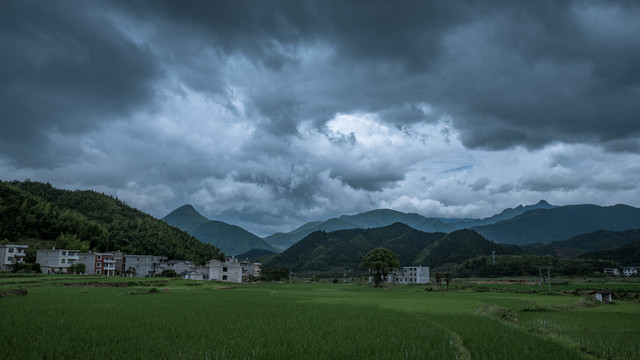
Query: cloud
[
  {"x": 69, "y": 71},
  {"x": 271, "y": 114}
]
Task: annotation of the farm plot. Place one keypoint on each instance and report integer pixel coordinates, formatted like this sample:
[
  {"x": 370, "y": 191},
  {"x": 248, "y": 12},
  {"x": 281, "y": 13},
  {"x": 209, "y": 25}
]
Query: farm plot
[{"x": 191, "y": 320}]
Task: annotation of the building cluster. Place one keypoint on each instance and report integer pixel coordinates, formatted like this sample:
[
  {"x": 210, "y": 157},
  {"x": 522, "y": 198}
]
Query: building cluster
[
  {"x": 623, "y": 270},
  {"x": 58, "y": 261}
]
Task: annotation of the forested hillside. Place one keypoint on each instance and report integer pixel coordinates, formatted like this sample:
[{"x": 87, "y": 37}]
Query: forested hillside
[
  {"x": 581, "y": 244},
  {"x": 345, "y": 248},
  {"x": 38, "y": 211},
  {"x": 530, "y": 265}
]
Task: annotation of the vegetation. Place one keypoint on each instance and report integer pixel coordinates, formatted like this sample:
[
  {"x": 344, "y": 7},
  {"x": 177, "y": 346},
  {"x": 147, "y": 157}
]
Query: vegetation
[
  {"x": 625, "y": 255},
  {"x": 41, "y": 215},
  {"x": 587, "y": 243},
  {"x": 528, "y": 265},
  {"x": 149, "y": 320},
  {"x": 381, "y": 262}
]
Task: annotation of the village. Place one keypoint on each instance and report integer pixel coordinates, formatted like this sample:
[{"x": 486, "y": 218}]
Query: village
[{"x": 62, "y": 261}]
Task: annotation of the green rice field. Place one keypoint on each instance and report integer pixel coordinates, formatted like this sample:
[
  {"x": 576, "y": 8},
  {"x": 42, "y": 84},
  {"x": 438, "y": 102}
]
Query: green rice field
[{"x": 66, "y": 317}]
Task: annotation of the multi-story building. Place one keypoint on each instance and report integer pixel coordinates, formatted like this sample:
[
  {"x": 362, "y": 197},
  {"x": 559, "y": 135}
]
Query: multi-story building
[
  {"x": 56, "y": 261},
  {"x": 249, "y": 269},
  {"x": 98, "y": 263},
  {"x": 228, "y": 270},
  {"x": 408, "y": 275},
  {"x": 143, "y": 265},
  {"x": 10, "y": 254}
]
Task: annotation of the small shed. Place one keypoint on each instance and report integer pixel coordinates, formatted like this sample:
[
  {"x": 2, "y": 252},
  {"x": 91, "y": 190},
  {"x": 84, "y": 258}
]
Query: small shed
[{"x": 602, "y": 295}]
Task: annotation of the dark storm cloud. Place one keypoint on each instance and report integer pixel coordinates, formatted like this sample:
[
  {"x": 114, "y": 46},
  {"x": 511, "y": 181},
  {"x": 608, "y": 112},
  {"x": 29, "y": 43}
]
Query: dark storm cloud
[
  {"x": 509, "y": 73},
  {"x": 64, "y": 69}
]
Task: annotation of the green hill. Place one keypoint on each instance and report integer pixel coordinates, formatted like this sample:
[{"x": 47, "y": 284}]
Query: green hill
[
  {"x": 124, "y": 228},
  {"x": 461, "y": 245},
  {"x": 322, "y": 251},
  {"x": 628, "y": 254},
  {"x": 578, "y": 245},
  {"x": 561, "y": 223},
  {"x": 231, "y": 239}
]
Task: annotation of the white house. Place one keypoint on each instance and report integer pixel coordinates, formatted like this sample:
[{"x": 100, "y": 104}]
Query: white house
[
  {"x": 10, "y": 254},
  {"x": 629, "y": 270},
  {"x": 232, "y": 270},
  {"x": 410, "y": 275},
  {"x": 56, "y": 261}
]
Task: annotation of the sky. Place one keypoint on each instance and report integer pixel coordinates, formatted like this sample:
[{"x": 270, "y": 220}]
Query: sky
[{"x": 269, "y": 114}]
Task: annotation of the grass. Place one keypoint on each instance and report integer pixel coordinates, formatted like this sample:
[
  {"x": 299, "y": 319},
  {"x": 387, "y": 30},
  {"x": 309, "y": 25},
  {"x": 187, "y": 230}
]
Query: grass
[{"x": 180, "y": 319}]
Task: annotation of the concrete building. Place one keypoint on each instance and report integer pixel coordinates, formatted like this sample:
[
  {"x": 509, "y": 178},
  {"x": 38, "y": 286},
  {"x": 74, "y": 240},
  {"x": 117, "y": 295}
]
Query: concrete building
[
  {"x": 10, "y": 254},
  {"x": 56, "y": 261},
  {"x": 232, "y": 270},
  {"x": 229, "y": 270},
  {"x": 630, "y": 270},
  {"x": 142, "y": 265},
  {"x": 98, "y": 263},
  {"x": 410, "y": 275},
  {"x": 249, "y": 270},
  {"x": 612, "y": 271}
]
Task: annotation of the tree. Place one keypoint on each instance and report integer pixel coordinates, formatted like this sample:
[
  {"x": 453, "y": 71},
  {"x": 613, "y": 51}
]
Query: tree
[
  {"x": 438, "y": 278},
  {"x": 78, "y": 268},
  {"x": 380, "y": 262},
  {"x": 447, "y": 279},
  {"x": 168, "y": 273}
]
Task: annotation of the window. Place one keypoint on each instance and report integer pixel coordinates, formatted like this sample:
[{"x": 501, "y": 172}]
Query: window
[
  {"x": 64, "y": 253},
  {"x": 62, "y": 261},
  {"x": 99, "y": 257},
  {"x": 19, "y": 251},
  {"x": 98, "y": 264},
  {"x": 224, "y": 277},
  {"x": 98, "y": 271},
  {"x": 10, "y": 250},
  {"x": 224, "y": 269},
  {"x": 71, "y": 253},
  {"x": 10, "y": 258}
]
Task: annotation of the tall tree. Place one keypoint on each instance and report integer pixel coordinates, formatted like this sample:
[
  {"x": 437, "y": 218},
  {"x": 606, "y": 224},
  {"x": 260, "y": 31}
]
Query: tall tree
[{"x": 380, "y": 262}]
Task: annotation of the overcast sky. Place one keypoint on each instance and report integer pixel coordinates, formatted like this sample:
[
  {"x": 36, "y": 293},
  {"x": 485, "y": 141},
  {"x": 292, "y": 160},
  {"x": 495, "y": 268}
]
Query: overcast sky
[{"x": 268, "y": 114}]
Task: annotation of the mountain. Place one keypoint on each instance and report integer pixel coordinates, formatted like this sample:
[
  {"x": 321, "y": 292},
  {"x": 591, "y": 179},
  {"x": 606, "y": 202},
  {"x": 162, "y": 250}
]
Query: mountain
[
  {"x": 255, "y": 255},
  {"x": 581, "y": 244},
  {"x": 229, "y": 238},
  {"x": 344, "y": 249},
  {"x": 506, "y": 214},
  {"x": 561, "y": 223},
  {"x": 185, "y": 218},
  {"x": 40, "y": 212},
  {"x": 322, "y": 250},
  {"x": 366, "y": 220}
]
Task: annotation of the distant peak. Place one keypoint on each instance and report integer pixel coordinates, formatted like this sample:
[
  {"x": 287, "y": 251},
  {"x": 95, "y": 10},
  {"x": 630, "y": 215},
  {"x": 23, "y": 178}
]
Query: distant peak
[{"x": 543, "y": 202}]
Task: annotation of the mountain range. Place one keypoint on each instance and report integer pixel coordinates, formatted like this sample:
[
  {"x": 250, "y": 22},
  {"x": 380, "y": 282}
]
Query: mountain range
[
  {"x": 522, "y": 225},
  {"x": 337, "y": 251},
  {"x": 231, "y": 239}
]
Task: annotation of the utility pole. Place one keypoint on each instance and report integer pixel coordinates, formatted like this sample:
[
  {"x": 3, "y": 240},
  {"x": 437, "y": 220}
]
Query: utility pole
[
  {"x": 549, "y": 275},
  {"x": 539, "y": 268}
]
